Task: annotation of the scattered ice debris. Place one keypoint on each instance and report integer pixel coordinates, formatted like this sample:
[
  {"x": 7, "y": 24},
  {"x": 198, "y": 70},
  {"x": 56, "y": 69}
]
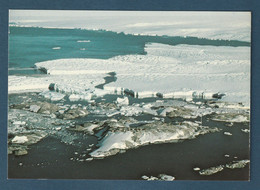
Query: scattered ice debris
[
  {"x": 227, "y": 156},
  {"x": 131, "y": 110},
  {"x": 161, "y": 177},
  {"x": 232, "y": 165},
  {"x": 20, "y": 139},
  {"x": 76, "y": 153},
  {"x": 237, "y": 164},
  {"x": 231, "y": 117},
  {"x": 212, "y": 170},
  {"x": 196, "y": 169},
  {"x": 20, "y": 164},
  {"x": 37, "y": 127},
  {"x": 227, "y": 133},
  {"x": 122, "y": 101},
  {"x": 245, "y": 130}
]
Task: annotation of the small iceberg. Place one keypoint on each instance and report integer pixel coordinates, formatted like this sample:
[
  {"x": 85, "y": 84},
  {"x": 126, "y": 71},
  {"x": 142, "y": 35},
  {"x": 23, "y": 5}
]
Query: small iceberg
[{"x": 56, "y": 48}]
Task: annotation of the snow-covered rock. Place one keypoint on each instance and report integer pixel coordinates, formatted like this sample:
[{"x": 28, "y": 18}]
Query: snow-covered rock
[{"x": 151, "y": 133}]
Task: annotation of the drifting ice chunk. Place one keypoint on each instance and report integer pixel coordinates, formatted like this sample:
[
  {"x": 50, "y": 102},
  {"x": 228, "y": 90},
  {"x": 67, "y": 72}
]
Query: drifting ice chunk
[
  {"x": 227, "y": 133},
  {"x": 34, "y": 108},
  {"x": 196, "y": 169},
  {"x": 56, "y": 48},
  {"x": 245, "y": 130},
  {"x": 122, "y": 101},
  {"x": 20, "y": 139},
  {"x": 165, "y": 177}
]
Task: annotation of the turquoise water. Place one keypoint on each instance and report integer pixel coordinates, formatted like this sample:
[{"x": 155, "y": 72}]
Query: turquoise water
[{"x": 28, "y": 45}]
